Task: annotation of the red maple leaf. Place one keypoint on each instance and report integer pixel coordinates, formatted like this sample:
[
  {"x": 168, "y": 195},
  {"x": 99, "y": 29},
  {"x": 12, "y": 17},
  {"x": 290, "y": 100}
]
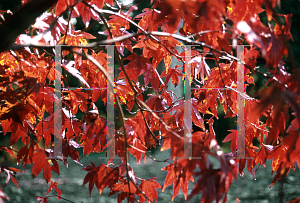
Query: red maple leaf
[
  {"x": 172, "y": 73},
  {"x": 179, "y": 178},
  {"x": 40, "y": 162},
  {"x": 53, "y": 185},
  {"x": 149, "y": 188},
  {"x": 101, "y": 176}
]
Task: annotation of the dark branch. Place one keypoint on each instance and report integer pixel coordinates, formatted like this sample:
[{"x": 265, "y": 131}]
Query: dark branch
[{"x": 15, "y": 24}]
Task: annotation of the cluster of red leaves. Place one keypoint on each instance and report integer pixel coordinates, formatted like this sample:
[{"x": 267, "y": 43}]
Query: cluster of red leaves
[
  {"x": 103, "y": 176},
  {"x": 27, "y": 76}
]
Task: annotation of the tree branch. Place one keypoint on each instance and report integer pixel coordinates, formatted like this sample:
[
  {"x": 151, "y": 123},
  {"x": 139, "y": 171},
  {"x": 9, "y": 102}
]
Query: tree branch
[
  {"x": 15, "y": 24},
  {"x": 126, "y": 144}
]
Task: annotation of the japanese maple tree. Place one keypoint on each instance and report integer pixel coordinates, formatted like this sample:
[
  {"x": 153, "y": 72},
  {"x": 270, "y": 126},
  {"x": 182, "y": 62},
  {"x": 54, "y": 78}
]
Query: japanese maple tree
[{"x": 211, "y": 28}]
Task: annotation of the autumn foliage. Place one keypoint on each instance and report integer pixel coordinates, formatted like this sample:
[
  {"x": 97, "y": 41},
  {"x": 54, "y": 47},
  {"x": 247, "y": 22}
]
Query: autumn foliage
[{"x": 27, "y": 92}]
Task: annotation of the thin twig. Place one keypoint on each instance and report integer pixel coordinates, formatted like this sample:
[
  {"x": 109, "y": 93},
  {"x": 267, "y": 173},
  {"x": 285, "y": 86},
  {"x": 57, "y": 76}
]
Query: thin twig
[
  {"x": 240, "y": 93},
  {"x": 67, "y": 29},
  {"x": 116, "y": 51},
  {"x": 119, "y": 104},
  {"x": 280, "y": 191},
  {"x": 62, "y": 197},
  {"x": 151, "y": 157},
  {"x": 100, "y": 11},
  {"x": 148, "y": 127},
  {"x": 224, "y": 54},
  {"x": 165, "y": 110},
  {"x": 139, "y": 190},
  {"x": 57, "y": 17},
  {"x": 125, "y": 141},
  {"x": 168, "y": 128},
  {"x": 260, "y": 128}
]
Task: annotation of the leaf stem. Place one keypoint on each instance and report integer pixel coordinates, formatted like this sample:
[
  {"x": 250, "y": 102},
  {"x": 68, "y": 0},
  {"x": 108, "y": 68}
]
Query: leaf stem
[
  {"x": 67, "y": 29},
  {"x": 61, "y": 197}
]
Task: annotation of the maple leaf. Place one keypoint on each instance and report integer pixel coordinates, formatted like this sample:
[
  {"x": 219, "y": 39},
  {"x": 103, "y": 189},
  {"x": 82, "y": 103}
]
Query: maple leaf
[
  {"x": 262, "y": 155},
  {"x": 69, "y": 66},
  {"x": 193, "y": 108},
  {"x": 26, "y": 154},
  {"x": 53, "y": 185},
  {"x": 140, "y": 65},
  {"x": 42, "y": 132},
  {"x": 233, "y": 138},
  {"x": 149, "y": 188},
  {"x": 131, "y": 173},
  {"x": 123, "y": 187},
  {"x": 75, "y": 38},
  {"x": 124, "y": 91},
  {"x": 156, "y": 103},
  {"x": 135, "y": 66},
  {"x": 43, "y": 23},
  {"x": 201, "y": 67},
  {"x": 45, "y": 98},
  {"x": 17, "y": 113},
  {"x": 72, "y": 125},
  {"x": 213, "y": 183},
  {"x": 40, "y": 162},
  {"x": 101, "y": 176},
  {"x": 250, "y": 57},
  {"x": 180, "y": 179},
  {"x": 282, "y": 171},
  {"x": 10, "y": 174},
  {"x": 10, "y": 151},
  {"x": 158, "y": 50},
  {"x": 241, "y": 10},
  {"x": 94, "y": 135},
  {"x": 208, "y": 100},
  {"x": 193, "y": 13},
  {"x": 68, "y": 149},
  {"x": 249, "y": 152},
  {"x": 176, "y": 144},
  {"x": 77, "y": 99},
  {"x": 81, "y": 10},
  {"x": 172, "y": 73},
  {"x": 136, "y": 127},
  {"x": 139, "y": 149},
  {"x": 278, "y": 156},
  {"x": 42, "y": 199},
  {"x": 269, "y": 41},
  {"x": 148, "y": 18},
  {"x": 3, "y": 195},
  {"x": 171, "y": 13}
]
